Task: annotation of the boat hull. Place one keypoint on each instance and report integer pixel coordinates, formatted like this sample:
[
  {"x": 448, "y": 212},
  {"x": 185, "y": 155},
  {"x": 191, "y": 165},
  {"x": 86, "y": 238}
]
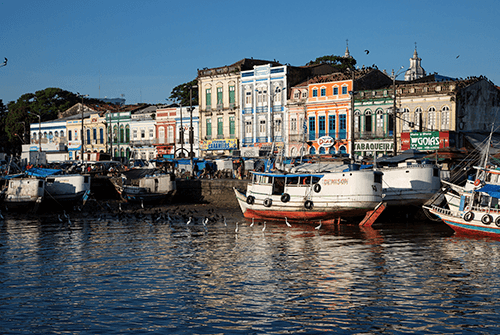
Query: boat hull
[{"x": 475, "y": 227}]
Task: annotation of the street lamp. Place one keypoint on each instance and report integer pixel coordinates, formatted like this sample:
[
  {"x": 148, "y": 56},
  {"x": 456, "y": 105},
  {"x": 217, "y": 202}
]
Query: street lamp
[
  {"x": 394, "y": 76},
  {"x": 39, "y": 130},
  {"x": 82, "y": 96},
  {"x": 191, "y": 131}
]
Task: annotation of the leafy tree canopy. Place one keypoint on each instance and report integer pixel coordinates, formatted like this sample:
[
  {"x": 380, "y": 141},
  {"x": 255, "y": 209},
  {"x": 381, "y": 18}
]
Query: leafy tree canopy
[
  {"x": 339, "y": 62},
  {"x": 46, "y": 103},
  {"x": 180, "y": 93}
]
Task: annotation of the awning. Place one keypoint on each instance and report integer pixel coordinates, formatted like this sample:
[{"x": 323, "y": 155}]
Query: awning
[
  {"x": 478, "y": 140},
  {"x": 492, "y": 190}
]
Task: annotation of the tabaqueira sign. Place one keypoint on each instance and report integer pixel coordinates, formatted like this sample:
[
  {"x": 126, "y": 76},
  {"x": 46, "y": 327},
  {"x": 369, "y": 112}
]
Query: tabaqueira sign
[{"x": 325, "y": 141}]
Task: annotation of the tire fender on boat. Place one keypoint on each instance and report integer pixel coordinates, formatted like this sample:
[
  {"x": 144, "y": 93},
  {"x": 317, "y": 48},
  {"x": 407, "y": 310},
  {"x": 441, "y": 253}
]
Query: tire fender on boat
[
  {"x": 268, "y": 202},
  {"x": 285, "y": 197},
  {"x": 308, "y": 204},
  {"x": 468, "y": 216},
  {"x": 486, "y": 219},
  {"x": 250, "y": 200},
  {"x": 497, "y": 221},
  {"x": 317, "y": 188}
]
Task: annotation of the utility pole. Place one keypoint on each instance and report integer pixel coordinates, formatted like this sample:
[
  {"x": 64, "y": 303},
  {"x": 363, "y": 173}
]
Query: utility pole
[
  {"x": 353, "y": 159},
  {"x": 191, "y": 130},
  {"x": 394, "y": 112},
  {"x": 81, "y": 137}
]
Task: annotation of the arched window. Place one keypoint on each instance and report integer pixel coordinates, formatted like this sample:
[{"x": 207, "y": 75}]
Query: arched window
[
  {"x": 379, "y": 122},
  {"x": 332, "y": 150},
  {"x": 418, "y": 118},
  {"x": 161, "y": 134},
  {"x": 127, "y": 134},
  {"x": 56, "y": 134},
  {"x": 445, "y": 118},
  {"x": 322, "y": 151},
  {"x": 312, "y": 151},
  {"x": 88, "y": 136},
  {"x": 405, "y": 117},
  {"x": 170, "y": 134},
  {"x": 356, "y": 122},
  {"x": 101, "y": 135},
  {"x": 431, "y": 118},
  {"x": 343, "y": 149},
  {"x": 368, "y": 121},
  {"x": 61, "y": 133},
  {"x": 122, "y": 134}
]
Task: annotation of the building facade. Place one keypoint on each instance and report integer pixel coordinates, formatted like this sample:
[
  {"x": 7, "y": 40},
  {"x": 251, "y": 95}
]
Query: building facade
[
  {"x": 143, "y": 133},
  {"x": 118, "y": 127}
]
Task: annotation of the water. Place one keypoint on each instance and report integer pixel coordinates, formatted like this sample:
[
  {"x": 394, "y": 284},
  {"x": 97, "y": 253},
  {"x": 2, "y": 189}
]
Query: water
[{"x": 141, "y": 275}]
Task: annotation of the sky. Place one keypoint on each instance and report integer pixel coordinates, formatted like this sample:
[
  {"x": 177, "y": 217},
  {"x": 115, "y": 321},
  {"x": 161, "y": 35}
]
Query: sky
[{"x": 143, "y": 49}]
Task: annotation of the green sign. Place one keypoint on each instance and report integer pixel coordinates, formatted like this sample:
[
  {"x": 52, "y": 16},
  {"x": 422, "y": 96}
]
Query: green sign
[{"x": 425, "y": 141}]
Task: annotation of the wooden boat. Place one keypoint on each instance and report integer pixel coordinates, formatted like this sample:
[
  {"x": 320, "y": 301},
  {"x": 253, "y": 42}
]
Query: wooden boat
[
  {"x": 472, "y": 209},
  {"x": 311, "y": 193}
]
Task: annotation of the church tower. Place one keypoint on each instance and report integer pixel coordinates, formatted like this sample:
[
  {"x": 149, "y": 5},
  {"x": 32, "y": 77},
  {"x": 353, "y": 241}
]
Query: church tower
[{"x": 415, "y": 71}]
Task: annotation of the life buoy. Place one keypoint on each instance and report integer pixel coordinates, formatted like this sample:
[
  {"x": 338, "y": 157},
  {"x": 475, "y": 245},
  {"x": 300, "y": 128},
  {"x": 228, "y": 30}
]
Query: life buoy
[
  {"x": 308, "y": 204},
  {"x": 497, "y": 221},
  {"x": 268, "y": 202},
  {"x": 250, "y": 200},
  {"x": 468, "y": 216},
  {"x": 317, "y": 188},
  {"x": 285, "y": 197},
  {"x": 486, "y": 219},
  {"x": 477, "y": 182}
]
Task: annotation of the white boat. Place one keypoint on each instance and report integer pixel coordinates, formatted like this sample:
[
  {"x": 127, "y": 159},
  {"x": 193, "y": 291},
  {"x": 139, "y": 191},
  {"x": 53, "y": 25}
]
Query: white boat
[
  {"x": 312, "y": 192},
  {"x": 23, "y": 192},
  {"x": 62, "y": 188},
  {"x": 409, "y": 179},
  {"x": 410, "y": 183}
]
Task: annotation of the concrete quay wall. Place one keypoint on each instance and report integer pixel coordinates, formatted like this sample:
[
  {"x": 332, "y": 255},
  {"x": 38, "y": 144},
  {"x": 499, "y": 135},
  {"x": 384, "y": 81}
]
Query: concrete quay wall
[{"x": 215, "y": 192}]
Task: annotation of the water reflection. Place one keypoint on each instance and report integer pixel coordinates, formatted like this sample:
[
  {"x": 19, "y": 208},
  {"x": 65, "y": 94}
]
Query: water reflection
[{"x": 109, "y": 274}]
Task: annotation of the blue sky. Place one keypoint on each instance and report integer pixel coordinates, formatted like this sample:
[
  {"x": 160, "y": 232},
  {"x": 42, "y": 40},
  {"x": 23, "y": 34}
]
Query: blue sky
[{"x": 142, "y": 49}]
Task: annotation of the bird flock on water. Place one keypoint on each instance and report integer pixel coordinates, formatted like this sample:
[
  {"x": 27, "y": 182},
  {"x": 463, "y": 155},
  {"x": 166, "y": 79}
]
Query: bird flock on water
[{"x": 189, "y": 217}]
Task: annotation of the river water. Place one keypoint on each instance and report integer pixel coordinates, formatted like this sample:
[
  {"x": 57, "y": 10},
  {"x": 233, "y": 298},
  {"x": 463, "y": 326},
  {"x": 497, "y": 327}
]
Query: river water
[{"x": 145, "y": 274}]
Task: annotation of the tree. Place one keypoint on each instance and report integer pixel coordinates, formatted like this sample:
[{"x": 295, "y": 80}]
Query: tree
[
  {"x": 46, "y": 103},
  {"x": 180, "y": 93},
  {"x": 339, "y": 62}
]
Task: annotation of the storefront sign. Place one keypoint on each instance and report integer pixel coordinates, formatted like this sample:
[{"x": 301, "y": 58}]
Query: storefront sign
[
  {"x": 225, "y": 144},
  {"x": 425, "y": 140},
  {"x": 373, "y": 146},
  {"x": 325, "y": 141}
]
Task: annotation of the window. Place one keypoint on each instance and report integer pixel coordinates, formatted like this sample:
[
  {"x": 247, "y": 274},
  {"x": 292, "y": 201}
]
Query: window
[
  {"x": 445, "y": 118},
  {"x": 293, "y": 124},
  {"x": 232, "y": 95},
  {"x": 76, "y": 135},
  {"x": 161, "y": 134},
  {"x": 56, "y": 134},
  {"x": 315, "y": 92},
  {"x": 262, "y": 127},
  {"x": 208, "y": 97},
  {"x": 431, "y": 114},
  {"x": 277, "y": 127},
  {"x": 368, "y": 121},
  {"x": 94, "y": 133},
  {"x": 296, "y": 95},
  {"x": 344, "y": 89},
  {"x": 304, "y": 94},
  {"x": 342, "y": 126},
  {"x": 88, "y": 136},
  {"x": 220, "y": 126},
  {"x": 418, "y": 117},
  {"x": 134, "y": 133},
  {"x": 122, "y": 134},
  {"x": 248, "y": 98},
  {"x": 323, "y": 92},
  {"x": 143, "y": 133},
  {"x": 322, "y": 125},
  {"x": 380, "y": 120},
  {"x": 151, "y": 132},
  {"x": 170, "y": 134},
  {"x": 405, "y": 116},
  {"x": 248, "y": 128},
  {"x": 69, "y": 135},
  {"x": 331, "y": 125},
  {"x": 335, "y": 91},
  {"x": 209, "y": 128},
  {"x": 219, "y": 97},
  {"x": 312, "y": 128},
  {"x": 231, "y": 126},
  {"x": 356, "y": 122}
]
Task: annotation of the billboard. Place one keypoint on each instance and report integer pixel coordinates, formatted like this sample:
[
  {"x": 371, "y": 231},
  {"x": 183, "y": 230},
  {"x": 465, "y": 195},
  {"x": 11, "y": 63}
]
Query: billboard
[
  {"x": 223, "y": 144},
  {"x": 430, "y": 140}
]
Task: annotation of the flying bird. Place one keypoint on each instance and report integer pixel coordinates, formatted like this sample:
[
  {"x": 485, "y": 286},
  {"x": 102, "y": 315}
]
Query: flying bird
[
  {"x": 367, "y": 51},
  {"x": 458, "y": 56}
]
